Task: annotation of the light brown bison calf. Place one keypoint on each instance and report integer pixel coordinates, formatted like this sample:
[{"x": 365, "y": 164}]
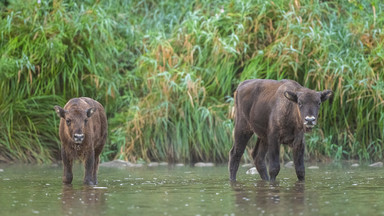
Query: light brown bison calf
[{"x": 83, "y": 132}]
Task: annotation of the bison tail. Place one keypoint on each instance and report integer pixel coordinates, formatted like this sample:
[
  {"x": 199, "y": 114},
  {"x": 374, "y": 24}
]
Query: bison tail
[{"x": 233, "y": 110}]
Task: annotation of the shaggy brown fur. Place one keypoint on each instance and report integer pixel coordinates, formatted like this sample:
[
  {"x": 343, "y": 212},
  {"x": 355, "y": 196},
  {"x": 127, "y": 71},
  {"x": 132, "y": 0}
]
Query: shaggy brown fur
[
  {"x": 83, "y": 132},
  {"x": 278, "y": 112}
]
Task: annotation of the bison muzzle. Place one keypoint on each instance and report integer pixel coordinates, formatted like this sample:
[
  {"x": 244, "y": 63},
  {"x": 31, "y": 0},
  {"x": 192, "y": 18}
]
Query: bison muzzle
[
  {"x": 278, "y": 112},
  {"x": 83, "y": 132}
]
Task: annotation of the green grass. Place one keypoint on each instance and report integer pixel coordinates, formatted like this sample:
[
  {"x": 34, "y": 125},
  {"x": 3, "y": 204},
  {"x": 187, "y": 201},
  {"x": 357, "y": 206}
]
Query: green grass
[{"x": 166, "y": 72}]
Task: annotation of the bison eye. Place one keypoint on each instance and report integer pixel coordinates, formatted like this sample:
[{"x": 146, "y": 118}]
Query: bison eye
[
  {"x": 68, "y": 122},
  {"x": 300, "y": 104}
]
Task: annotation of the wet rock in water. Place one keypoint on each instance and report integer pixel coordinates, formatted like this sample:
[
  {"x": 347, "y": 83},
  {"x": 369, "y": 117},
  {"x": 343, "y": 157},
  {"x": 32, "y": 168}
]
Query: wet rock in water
[
  {"x": 1, "y": 170},
  {"x": 119, "y": 163},
  {"x": 54, "y": 165},
  {"x": 289, "y": 164},
  {"x": 377, "y": 164},
  {"x": 247, "y": 165},
  {"x": 153, "y": 164},
  {"x": 99, "y": 187},
  {"x": 252, "y": 171},
  {"x": 313, "y": 167},
  {"x": 163, "y": 164},
  {"x": 355, "y": 165},
  {"x": 200, "y": 164},
  {"x": 180, "y": 165}
]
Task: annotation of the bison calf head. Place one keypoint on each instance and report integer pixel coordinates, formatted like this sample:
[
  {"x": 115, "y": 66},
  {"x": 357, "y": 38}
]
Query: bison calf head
[
  {"x": 76, "y": 121},
  {"x": 309, "y": 104}
]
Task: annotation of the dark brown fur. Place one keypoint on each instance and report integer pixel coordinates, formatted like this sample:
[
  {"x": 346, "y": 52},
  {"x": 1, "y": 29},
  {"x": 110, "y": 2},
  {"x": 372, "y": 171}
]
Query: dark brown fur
[
  {"x": 278, "y": 112},
  {"x": 83, "y": 132}
]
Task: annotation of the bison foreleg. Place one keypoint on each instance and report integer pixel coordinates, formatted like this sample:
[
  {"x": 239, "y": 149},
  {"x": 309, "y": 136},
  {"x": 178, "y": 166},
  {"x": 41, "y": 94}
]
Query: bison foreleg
[
  {"x": 89, "y": 167},
  {"x": 95, "y": 169},
  {"x": 67, "y": 164},
  {"x": 274, "y": 157},
  {"x": 258, "y": 156},
  {"x": 298, "y": 160}
]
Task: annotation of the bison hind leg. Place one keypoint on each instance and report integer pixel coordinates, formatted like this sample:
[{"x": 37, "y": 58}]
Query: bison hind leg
[
  {"x": 237, "y": 151},
  {"x": 98, "y": 151}
]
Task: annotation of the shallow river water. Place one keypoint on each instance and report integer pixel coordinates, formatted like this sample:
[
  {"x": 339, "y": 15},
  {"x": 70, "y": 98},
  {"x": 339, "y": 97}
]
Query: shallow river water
[{"x": 332, "y": 189}]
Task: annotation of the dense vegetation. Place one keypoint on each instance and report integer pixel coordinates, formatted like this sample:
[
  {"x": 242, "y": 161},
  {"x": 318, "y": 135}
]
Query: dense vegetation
[{"x": 166, "y": 72}]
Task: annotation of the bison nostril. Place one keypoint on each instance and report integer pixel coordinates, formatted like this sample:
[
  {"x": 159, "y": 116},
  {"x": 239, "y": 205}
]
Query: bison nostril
[
  {"x": 310, "y": 121},
  {"x": 310, "y": 118},
  {"x": 78, "y": 137}
]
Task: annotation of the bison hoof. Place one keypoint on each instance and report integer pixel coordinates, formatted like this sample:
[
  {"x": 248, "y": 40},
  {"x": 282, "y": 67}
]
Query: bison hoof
[
  {"x": 67, "y": 181},
  {"x": 90, "y": 183}
]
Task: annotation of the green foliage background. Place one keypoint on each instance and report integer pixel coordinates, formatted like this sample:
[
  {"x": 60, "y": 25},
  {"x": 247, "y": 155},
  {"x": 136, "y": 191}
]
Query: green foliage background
[{"x": 166, "y": 72}]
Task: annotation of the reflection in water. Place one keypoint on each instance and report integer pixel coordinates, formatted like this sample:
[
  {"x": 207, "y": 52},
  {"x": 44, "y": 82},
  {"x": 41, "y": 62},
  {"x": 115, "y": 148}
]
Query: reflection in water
[
  {"x": 270, "y": 198},
  {"x": 84, "y": 201}
]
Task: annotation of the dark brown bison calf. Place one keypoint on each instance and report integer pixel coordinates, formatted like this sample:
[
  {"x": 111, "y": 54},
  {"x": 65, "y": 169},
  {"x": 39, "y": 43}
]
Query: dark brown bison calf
[
  {"x": 83, "y": 132},
  {"x": 278, "y": 112}
]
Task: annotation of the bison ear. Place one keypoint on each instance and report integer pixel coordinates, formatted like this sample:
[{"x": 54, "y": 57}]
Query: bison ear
[
  {"x": 90, "y": 111},
  {"x": 325, "y": 95},
  {"x": 60, "y": 111},
  {"x": 292, "y": 96}
]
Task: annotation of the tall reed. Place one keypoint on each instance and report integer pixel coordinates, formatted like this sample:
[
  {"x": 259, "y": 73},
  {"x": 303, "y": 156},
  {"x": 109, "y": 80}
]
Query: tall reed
[
  {"x": 51, "y": 51},
  {"x": 166, "y": 72}
]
